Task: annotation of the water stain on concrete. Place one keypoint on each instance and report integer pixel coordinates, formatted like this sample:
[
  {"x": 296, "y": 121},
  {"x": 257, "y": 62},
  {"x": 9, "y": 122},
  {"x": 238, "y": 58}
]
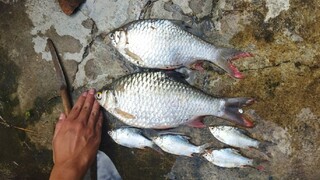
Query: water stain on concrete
[{"x": 16, "y": 149}]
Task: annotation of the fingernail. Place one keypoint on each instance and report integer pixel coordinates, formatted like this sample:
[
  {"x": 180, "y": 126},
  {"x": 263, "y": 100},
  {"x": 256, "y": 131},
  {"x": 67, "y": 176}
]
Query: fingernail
[
  {"x": 91, "y": 91},
  {"x": 61, "y": 116},
  {"x": 85, "y": 94}
]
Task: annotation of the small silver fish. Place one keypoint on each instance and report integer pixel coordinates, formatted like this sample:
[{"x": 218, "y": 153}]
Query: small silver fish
[
  {"x": 131, "y": 138},
  {"x": 160, "y": 100},
  {"x": 229, "y": 158},
  {"x": 163, "y": 44},
  {"x": 178, "y": 144},
  {"x": 233, "y": 136}
]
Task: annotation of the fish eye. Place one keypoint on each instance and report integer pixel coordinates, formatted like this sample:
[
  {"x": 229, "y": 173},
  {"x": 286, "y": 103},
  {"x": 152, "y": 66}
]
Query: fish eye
[
  {"x": 98, "y": 95},
  {"x": 111, "y": 35}
]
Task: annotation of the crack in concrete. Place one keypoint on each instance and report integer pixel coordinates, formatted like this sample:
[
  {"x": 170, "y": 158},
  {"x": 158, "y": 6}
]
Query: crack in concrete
[
  {"x": 93, "y": 36},
  {"x": 268, "y": 67},
  {"x": 146, "y": 10},
  {"x": 312, "y": 67},
  {"x": 87, "y": 48}
]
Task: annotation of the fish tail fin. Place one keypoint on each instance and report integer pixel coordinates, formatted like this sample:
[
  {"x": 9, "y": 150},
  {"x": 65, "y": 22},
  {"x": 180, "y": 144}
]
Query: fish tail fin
[
  {"x": 263, "y": 146},
  {"x": 225, "y": 56},
  {"x": 157, "y": 148},
  {"x": 232, "y": 111},
  {"x": 204, "y": 147},
  {"x": 260, "y": 164}
]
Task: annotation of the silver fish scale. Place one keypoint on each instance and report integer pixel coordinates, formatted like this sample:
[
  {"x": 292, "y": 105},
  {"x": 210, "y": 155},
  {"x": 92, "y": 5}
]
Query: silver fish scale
[
  {"x": 157, "y": 101},
  {"x": 151, "y": 39}
]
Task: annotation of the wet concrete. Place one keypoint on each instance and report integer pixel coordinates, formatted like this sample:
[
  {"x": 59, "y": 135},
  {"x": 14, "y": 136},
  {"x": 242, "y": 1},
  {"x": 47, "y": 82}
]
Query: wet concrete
[{"x": 283, "y": 76}]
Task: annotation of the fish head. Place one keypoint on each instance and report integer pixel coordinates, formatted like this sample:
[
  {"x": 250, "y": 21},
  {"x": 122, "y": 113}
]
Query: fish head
[
  {"x": 208, "y": 154},
  {"x": 105, "y": 98},
  {"x": 113, "y": 134},
  {"x": 205, "y": 155},
  {"x": 214, "y": 130},
  {"x": 118, "y": 37}
]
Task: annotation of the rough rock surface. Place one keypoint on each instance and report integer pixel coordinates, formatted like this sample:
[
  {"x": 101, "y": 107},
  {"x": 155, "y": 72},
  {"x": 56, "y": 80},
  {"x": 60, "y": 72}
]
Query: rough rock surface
[{"x": 283, "y": 76}]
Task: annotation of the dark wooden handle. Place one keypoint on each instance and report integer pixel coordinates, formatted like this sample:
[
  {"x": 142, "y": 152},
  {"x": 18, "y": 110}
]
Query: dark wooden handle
[{"x": 65, "y": 100}]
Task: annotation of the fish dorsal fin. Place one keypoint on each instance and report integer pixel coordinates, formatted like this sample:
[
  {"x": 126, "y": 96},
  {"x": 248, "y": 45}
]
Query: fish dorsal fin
[
  {"x": 170, "y": 133},
  {"x": 186, "y": 27},
  {"x": 176, "y": 76},
  {"x": 134, "y": 129},
  {"x": 182, "y": 24},
  {"x": 243, "y": 131},
  {"x": 232, "y": 150},
  {"x": 177, "y": 134},
  {"x": 240, "y": 130},
  {"x": 185, "y": 137}
]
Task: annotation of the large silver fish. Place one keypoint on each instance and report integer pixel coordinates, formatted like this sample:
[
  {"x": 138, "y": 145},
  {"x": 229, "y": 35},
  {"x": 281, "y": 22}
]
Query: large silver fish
[
  {"x": 163, "y": 44},
  {"x": 159, "y": 100},
  {"x": 178, "y": 144}
]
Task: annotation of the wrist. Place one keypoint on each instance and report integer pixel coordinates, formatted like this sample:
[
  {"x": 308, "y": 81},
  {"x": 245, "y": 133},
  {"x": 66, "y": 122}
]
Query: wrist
[{"x": 67, "y": 171}]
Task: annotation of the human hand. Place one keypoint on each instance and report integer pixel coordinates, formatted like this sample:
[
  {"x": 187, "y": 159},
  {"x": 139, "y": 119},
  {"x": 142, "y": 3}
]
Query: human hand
[{"x": 76, "y": 138}]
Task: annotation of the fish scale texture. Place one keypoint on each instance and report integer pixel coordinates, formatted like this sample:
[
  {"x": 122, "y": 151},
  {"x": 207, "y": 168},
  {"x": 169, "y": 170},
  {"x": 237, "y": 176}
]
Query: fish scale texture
[
  {"x": 158, "y": 101},
  {"x": 151, "y": 39}
]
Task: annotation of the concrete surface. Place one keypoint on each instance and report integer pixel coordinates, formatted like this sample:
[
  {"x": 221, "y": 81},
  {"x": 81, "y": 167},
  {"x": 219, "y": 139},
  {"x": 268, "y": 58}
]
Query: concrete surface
[{"x": 283, "y": 76}]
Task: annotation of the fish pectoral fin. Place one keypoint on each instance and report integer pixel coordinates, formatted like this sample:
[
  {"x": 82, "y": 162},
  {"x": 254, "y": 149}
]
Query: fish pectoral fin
[
  {"x": 134, "y": 56},
  {"x": 124, "y": 114},
  {"x": 197, "y": 122}
]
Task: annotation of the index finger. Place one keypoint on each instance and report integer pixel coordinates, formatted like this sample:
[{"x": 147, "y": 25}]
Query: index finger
[
  {"x": 87, "y": 107},
  {"x": 75, "y": 111}
]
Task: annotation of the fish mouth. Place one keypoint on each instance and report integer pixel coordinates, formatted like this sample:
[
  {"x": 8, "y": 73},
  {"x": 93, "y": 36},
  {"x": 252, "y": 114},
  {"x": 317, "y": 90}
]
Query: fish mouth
[
  {"x": 110, "y": 133},
  {"x": 115, "y": 35}
]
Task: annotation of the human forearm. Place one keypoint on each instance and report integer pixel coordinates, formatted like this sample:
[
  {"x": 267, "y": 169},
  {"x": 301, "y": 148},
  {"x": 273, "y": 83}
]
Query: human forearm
[{"x": 68, "y": 171}]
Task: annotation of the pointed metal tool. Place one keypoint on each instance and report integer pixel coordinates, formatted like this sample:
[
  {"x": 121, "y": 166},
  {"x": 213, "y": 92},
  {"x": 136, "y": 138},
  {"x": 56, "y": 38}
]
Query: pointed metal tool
[{"x": 61, "y": 78}]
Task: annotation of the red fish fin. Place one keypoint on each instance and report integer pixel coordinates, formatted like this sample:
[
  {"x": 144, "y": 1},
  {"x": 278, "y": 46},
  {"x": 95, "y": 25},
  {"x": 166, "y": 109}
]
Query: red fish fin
[
  {"x": 226, "y": 55},
  {"x": 197, "y": 66},
  {"x": 259, "y": 167},
  {"x": 233, "y": 112},
  {"x": 197, "y": 122}
]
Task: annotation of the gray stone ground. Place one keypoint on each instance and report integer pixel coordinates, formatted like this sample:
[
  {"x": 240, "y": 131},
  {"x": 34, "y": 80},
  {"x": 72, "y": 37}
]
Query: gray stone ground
[{"x": 283, "y": 76}]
